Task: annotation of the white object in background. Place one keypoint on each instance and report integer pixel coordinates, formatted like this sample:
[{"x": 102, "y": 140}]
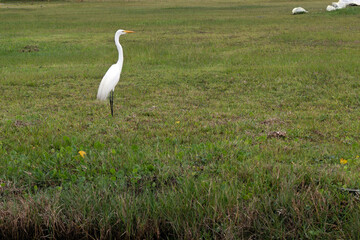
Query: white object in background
[
  {"x": 344, "y": 3},
  {"x": 299, "y": 10},
  {"x": 339, "y": 5},
  {"x": 350, "y": 2},
  {"x": 330, "y": 8}
]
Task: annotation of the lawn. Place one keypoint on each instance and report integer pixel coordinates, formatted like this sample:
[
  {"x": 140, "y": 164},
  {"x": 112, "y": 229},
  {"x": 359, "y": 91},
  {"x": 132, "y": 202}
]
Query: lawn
[{"x": 232, "y": 120}]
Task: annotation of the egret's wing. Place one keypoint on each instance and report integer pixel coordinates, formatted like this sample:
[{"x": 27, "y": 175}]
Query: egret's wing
[{"x": 109, "y": 81}]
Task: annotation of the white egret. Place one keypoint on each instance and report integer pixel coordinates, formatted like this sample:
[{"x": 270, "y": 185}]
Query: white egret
[{"x": 112, "y": 76}]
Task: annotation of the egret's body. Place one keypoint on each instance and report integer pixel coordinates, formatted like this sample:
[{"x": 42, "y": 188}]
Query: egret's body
[
  {"x": 112, "y": 76},
  {"x": 109, "y": 81}
]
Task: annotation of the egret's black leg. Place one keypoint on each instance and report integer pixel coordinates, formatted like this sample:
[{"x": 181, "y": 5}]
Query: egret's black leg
[{"x": 111, "y": 102}]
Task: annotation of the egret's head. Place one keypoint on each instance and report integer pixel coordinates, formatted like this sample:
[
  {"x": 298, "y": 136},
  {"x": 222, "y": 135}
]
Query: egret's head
[{"x": 121, "y": 32}]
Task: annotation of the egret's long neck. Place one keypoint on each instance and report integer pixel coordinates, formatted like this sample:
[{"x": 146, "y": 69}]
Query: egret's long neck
[{"x": 120, "y": 50}]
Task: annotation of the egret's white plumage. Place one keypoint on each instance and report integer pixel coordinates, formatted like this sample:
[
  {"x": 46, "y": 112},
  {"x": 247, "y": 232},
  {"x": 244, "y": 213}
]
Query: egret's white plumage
[
  {"x": 109, "y": 81},
  {"x": 112, "y": 76}
]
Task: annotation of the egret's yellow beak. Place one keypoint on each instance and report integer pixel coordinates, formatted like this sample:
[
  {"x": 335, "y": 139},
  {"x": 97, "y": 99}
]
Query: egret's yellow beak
[{"x": 128, "y": 31}]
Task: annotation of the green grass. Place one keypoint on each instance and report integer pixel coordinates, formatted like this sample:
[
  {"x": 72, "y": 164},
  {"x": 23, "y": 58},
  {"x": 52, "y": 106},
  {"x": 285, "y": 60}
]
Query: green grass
[{"x": 190, "y": 151}]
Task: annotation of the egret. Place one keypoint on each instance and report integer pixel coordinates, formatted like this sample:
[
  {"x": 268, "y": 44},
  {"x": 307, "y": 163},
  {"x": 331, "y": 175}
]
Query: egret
[{"x": 112, "y": 76}]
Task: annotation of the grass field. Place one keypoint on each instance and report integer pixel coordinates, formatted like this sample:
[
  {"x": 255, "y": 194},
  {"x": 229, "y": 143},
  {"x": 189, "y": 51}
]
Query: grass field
[{"x": 231, "y": 118}]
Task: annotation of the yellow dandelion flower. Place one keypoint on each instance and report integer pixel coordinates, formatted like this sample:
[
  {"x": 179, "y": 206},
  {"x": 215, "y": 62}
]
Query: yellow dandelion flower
[
  {"x": 177, "y": 122},
  {"x": 357, "y": 156},
  {"x": 82, "y": 154},
  {"x": 343, "y": 161}
]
